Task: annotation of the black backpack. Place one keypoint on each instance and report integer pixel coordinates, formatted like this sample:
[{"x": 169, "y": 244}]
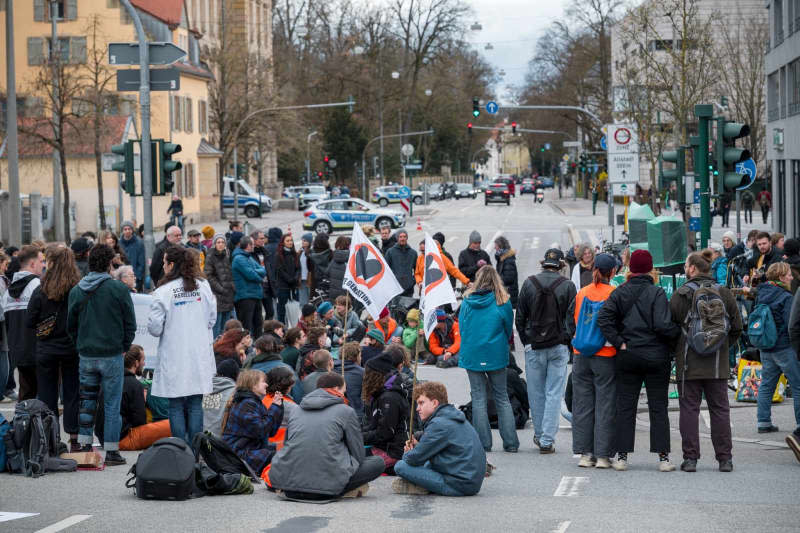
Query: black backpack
[
  {"x": 547, "y": 321},
  {"x": 220, "y": 457},
  {"x": 164, "y": 471},
  {"x": 517, "y": 396},
  {"x": 32, "y": 443}
]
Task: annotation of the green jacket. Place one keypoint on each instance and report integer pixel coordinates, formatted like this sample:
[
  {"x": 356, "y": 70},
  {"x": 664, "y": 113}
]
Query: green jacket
[
  {"x": 100, "y": 316},
  {"x": 410, "y": 339}
]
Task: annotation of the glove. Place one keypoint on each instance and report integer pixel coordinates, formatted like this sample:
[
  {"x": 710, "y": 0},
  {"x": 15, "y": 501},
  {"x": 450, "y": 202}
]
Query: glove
[{"x": 481, "y": 263}]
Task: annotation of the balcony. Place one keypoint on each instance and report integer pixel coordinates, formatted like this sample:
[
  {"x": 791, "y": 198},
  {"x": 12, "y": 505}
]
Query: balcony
[
  {"x": 778, "y": 37},
  {"x": 773, "y": 114}
]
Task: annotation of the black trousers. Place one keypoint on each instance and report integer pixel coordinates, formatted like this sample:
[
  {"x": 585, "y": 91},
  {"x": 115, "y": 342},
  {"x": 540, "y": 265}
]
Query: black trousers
[
  {"x": 372, "y": 468},
  {"x": 248, "y": 311},
  {"x": 269, "y": 309},
  {"x": 27, "y": 382},
  {"x": 748, "y": 214},
  {"x": 632, "y": 371},
  {"x": 49, "y": 367},
  {"x": 764, "y": 212}
]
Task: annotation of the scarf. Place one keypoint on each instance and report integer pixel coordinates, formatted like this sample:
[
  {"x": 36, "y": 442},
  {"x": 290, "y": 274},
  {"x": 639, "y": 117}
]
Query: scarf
[{"x": 335, "y": 392}]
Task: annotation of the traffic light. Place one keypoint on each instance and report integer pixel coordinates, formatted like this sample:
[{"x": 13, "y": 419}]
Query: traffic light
[
  {"x": 326, "y": 159},
  {"x": 476, "y": 107},
  {"x": 541, "y": 149},
  {"x": 125, "y": 165},
  {"x": 514, "y": 128},
  {"x": 679, "y": 158},
  {"x": 469, "y": 128},
  {"x": 319, "y": 175},
  {"x": 166, "y": 166},
  {"x": 727, "y": 155}
]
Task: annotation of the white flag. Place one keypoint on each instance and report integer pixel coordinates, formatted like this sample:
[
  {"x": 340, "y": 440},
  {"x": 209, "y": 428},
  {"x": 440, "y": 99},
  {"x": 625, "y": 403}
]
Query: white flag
[
  {"x": 436, "y": 288},
  {"x": 368, "y": 278}
]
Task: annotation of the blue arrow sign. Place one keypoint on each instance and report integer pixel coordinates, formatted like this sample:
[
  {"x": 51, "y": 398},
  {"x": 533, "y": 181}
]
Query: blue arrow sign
[
  {"x": 603, "y": 143},
  {"x": 492, "y": 108},
  {"x": 748, "y": 168}
]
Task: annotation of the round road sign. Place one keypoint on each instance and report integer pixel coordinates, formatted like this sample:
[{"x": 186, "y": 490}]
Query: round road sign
[
  {"x": 622, "y": 136},
  {"x": 332, "y": 163},
  {"x": 407, "y": 150},
  {"x": 565, "y": 157}
]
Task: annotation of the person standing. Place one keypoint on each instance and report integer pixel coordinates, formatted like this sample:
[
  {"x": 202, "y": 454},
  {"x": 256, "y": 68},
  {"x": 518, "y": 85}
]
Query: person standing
[
  {"x": 487, "y": 325},
  {"x": 219, "y": 275},
  {"x": 636, "y": 320},
  {"x": 306, "y": 268},
  {"x": 338, "y": 267},
  {"x": 287, "y": 275},
  {"x": 387, "y": 239},
  {"x": 700, "y": 376},
  {"x": 473, "y": 257},
  {"x": 321, "y": 255},
  {"x": 176, "y": 210},
  {"x": 582, "y": 273},
  {"x": 172, "y": 237},
  {"x": 182, "y": 315},
  {"x": 506, "y": 260},
  {"x": 793, "y": 439},
  {"x": 593, "y": 188},
  {"x": 247, "y": 278},
  {"x": 102, "y": 324},
  {"x": 542, "y": 315},
  {"x": 4, "y": 262},
  {"x": 402, "y": 259},
  {"x": 764, "y": 199},
  {"x": 747, "y": 204},
  {"x": 21, "y": 338},
  {"x": 56, "y": 357},
  {"x": 594, "y": 385},
  {"x": 134, "y": 249}
]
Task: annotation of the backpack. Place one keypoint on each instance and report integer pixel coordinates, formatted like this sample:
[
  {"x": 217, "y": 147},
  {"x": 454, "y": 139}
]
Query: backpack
[
  {"x": 517, "y": 396},
  {"x": 588, "y": 337},
  {"x": 164, "y": 471},
  {"x": 32, "y": 443},
  {"x": 220, "y": 457},
  {"x": 547, "y": 321},
  {"x": 761, "y": 330},
  {"x": 4, "y": 427},
  {"x": 707, "y": 323}
]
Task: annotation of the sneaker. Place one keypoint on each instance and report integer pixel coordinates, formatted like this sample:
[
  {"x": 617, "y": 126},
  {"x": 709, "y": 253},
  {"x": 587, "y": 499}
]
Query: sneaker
[
  {"x": 620, "y": 465},
  {"x": 357, "y": 492},
  {"x": 547, "y": 449},
  {"x": 11, "y": 395},
  {"x": 793, "y": 440},
  {"x": 401, "y": 486},
  {"x": 537, "y": 442},
  {"x": 113, "y": 458},
  {"x": 689, "y": 465},
  {"x": 665, "y": 465},
  {"x": 768, "y": 429},
  {"x": 587, "y": 461},
  {"x": 603, "y": 462},
  {"x": 80, "y": 448},
  {"x": 441, "y": 364},
  {"x": 511, "y": 449},
  {"x": 726, "y": 466},
  {"x": 489, "y": 469}
]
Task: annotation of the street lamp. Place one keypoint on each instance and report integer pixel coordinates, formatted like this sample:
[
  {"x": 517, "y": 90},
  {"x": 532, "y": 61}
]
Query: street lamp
[
  {"x": 488, "y": 46},
  {"x": 308, "y": 155},
  {"x": 395, "y": 75},
  {"x": 476, "y": 27},
  {"x": 428, "y": 92}
]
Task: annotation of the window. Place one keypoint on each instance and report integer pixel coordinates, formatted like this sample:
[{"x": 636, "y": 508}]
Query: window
[
  {"x": 72, "y": 50},
  {"x": 176, "y": 113},
  {"x": 793, "y": 88},
  {"x": 659, "y": 44},
  {"x": 202, "y": 116},
  {"x": 65, "y": 10},
  {"x": 36, "y": 51},
  {"x": 783, "y": 93},
  {"x": 777, "y": 9},
  {"x": 772, "y": 97},
  {"x": 188, "y": 115},
  {"x": 187, "y": 174}
]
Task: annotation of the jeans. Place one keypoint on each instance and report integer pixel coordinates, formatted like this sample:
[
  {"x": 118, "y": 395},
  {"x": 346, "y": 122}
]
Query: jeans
[
  {"x": 222, "y": 317},
  {"x": 4, "y": 371},
  {"x": 304, "y": 293},
  {"x": 594, "y": 398},
  {"x": 632, "y": 371},
  {"x": 186, "y": 417},
  {"x": 716, "y": 394},
  {"x": 546, "y": 370},
  {"x": 479, "y": 382},
  {"x": 284, "y": 295},
  {"x": 49, "y": 367},
  {"x": 425, "y": 477},
  {"x": 774, "y": 363},
  {"x": 108, "y": 373},
  {"x": 248, "y": 311}
]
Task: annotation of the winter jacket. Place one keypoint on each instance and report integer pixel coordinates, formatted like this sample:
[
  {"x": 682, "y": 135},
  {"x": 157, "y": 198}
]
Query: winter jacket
[
  {"x": 288, "y": 407},
  {"x": 773, "y": 256},
  {"x": 794, "y": 323},
  {"x": 214, "y": 403},
  {"x": 321, "y": 261},
  {"x": 354, "y": 378},
  {"x": 21, "y": 339},
  {"x": 468, "y": 261},
  {"x": 353, "y": 323},
  {"x": 694, "y": 366},
  {"x": 486, "y": 328},
  {"x": 262, "y": 257},
  {"x": 581, "y": 276},
  {"x": 794, "y": 264},
  {"x": 200, "y": 249},
  {"x": 266, "y": 362},
  {"x": 386, "y": 425},
  {"x": 410, "y": 338},
  {"x": 101, "y": 319},
  {"x": 289, "y": 355},
  {"x": 134, "y": 249},
  {"x": 596, "y": 292},
  {"x": 274, "y": 236},
  {"x": 57, "y": 342},
  {"x": 249, "y": 427},
  {"x": 219, "y": 275},
  {"x": 637, "y": 314},
  {"x": 368, "y": 352},
  {"x": 183, "y": 320},
  {"x": 529, "y": 299},
  {"x": 448, "y": 340},
  {"x": 779, "y": 301},
  {"x": 386, "y": 245},
  {"x": 402, "y": 260},
  {"x": 247, "y": 276},
  {"x": 287, "y": 270},
  {"x": 393, "y": 329},
  {"x": 157, "y": 264},
  {"x": 323, "y": 447},
  {"x": 507, "y": 268},
  {"x": 310, "y": 381},
  {"x": 305, "y": 365},
  {"x": 719, "y": 268},
  {"x": 735, "y": 251},
  {"x": 453, "y": 448},
  {"x": 451, "y": 269},
  {"x": 336, "y": 272}
]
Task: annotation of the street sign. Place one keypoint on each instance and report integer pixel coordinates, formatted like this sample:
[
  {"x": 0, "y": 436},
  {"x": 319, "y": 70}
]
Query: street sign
[
  {"x": 492, "y": 108},
  {"x": 332, "y": 163},
  {"x": 407, "y": 150},
  {"x": 603, "y": 143},
  {"x": 623, "y": 154},
  {"x": 748, "y": 168},
  {"x": 162, "y": 79},
  {"x": 160, "y": 53},
  {"x": 571, "y": 144},
  {"x": 546, "y": 146},
  {"x": 694, "y": 209},
  {"x": 405, "y": 203},
  {"x": 413, "y": 166},
  {"x": 623, "y": 189},
  {"x": 565, "y": 157}
]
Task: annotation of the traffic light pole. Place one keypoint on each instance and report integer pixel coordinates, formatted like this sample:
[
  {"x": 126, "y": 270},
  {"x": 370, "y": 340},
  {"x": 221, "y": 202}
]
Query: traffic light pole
[
  {"x": 379, "y": 138},
  {"x": 704, "y": 112},
  {"x": 15, "y": 211}
]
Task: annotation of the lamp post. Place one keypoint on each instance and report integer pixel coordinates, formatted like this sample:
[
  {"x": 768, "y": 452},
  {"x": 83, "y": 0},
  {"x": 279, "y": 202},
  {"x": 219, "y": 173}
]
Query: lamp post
[{"x": 308, "y": 155}]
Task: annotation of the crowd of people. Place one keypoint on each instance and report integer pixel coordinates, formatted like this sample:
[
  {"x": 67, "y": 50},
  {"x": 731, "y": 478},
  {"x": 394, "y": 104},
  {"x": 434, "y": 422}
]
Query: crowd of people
[{"x": 260, "y": 345}]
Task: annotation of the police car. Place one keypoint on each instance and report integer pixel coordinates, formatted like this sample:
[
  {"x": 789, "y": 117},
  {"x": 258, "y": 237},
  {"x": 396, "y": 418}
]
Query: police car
[
  {"x": 330, "y": 215},
  {"x": 390, "y": 194}
]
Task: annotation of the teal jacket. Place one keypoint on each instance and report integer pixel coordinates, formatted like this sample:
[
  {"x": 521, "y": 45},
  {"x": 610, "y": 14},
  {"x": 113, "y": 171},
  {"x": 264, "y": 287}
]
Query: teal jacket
[
  {"x": 247, "y": 276},
  {"x": 719, "y": 269},
  {"x": 100, "y": 316},
  {"x": 485, "y": 330}
]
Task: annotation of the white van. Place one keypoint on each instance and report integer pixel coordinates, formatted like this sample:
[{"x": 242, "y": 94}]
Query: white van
[{"x": 248, "y": 198}]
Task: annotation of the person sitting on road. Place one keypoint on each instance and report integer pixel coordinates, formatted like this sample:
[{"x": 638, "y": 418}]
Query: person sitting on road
[
  {"x": 323, "y": 363},
  {"x": 247, "y": 424},
  {"x": 386, "y": 412},
  {"x": 373, "y": 345},
  {"x": 308, "y": 318},
  {"x": 473, "y": 257},
  {"x": 276, "y": 330},
  {"x": 412, "y": 330},
  {"x": 280, "y": 381},
  {"x": 317, "y": 339},
  {"x": 293, "y": 340},
  {"x": 392, "y": 331},
  {"x": 223, "y": 385},
  {"x": 445, "y": 341},
  {"x": 233, "y": 344},
  {"x": 267, "y": 357},
  {"x": 323, "y": 456},
  {"x": 448, "y": 457},
  {"x": 349, "y": 327},
  {"x": 350, "y": 353}
]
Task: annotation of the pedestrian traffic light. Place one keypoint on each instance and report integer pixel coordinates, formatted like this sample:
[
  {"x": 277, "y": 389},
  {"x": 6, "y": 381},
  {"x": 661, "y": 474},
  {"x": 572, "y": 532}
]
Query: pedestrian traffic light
[
  {"x": 674, "y": 174},
  {"x": 727, "y": 155},
  {"x": 476, "y": 107},
  {"x": 514, "y": 128},
  {"x": 326, "y": 159},
  {"x": 319, "y": 175},
  {"x": 125, "y": 165},
  {"x": 166, "y": 166},
  {"x": 541, "y": 149},
  {"x": 469, "y": 128}
]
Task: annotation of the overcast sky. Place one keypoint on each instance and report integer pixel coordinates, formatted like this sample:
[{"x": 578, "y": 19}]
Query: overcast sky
[{"x": 512, "y": 26}]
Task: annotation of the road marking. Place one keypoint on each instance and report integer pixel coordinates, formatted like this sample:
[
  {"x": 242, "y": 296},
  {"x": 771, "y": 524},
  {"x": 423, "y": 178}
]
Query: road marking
[
  {"x": 8, "y": 517},
  {"x": 562, "y": 527},
  {"x": 535, "y": 243},
  {"x": 490, "y": 245},
  {"x": 64, "y": 524},
  {"x": 570, "y": 486},
  {"x": 451, "y": 239}
]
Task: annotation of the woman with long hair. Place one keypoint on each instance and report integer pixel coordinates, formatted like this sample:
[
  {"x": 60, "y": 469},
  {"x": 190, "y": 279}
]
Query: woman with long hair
[
  {"x": 110, "y": 238},
  {"x": 287, "y": 274},
  {"x": 321, "y": 255},
  {"x": 233, "y": 344},
  {"x": 56, "y": 355},
  {"x": 182, "y": 315},
  {"x": 280, "y": 382},
  {"x": 386, "y": 409},
  {"x": 486, "y": 322},
  {"x": 338, "y": 267},
  {"x": 582, "y": 273},
  {"x": 506, "y": 260}
]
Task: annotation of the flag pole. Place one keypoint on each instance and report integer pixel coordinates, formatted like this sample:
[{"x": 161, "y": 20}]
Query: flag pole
[
  {"x": 417, "y": 348},
  {"x": 344, "y": 334}
]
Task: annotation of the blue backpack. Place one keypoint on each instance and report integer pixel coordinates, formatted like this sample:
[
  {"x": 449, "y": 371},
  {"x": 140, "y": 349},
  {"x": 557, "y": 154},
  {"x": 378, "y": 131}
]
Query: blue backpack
[
  {"x": 761, "y": 329},
  {"x": 588, "y": 337},
  {"x": 4, "y": 427}
]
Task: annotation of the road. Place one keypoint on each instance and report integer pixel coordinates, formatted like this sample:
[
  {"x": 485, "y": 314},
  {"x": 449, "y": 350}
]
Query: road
[{"x": 528, "y": 491}]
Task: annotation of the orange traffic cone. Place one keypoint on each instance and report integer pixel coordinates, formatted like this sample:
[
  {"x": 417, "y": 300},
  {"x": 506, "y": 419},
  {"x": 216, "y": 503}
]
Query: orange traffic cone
[{"x": 419, "y": 224}]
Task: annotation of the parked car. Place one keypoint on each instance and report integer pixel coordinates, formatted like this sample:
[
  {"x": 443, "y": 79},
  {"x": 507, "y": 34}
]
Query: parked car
[
  {"x": 330, "y": 215},
  {"x": 306, "y": 194},
  {"x": 249, "y": 199},
  {"x": 389, "y": 194},
  {"x": 497, "y": 192},
  {"x": 465, "y": 190},
  {"x": 548, "y": 182}
]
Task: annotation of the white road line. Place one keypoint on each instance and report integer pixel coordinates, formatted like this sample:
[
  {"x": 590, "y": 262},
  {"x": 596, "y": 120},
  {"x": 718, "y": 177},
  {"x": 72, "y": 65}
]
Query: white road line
[
  {"x": 706, "y": 418},
  {"x": 64, "y": 524},
  {"x": 535, "y": 243},
  {"x": 570, "y": 486},
  {"x": 451, "y": 239},
  {"x": 490, "y": 246},
  {"x": 8, "y": 517},
  {"x": 562, "y": 527}
]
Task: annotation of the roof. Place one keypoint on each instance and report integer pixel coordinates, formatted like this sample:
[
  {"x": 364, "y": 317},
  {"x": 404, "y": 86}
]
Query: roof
[
  {"x": 208, "y": 150},
  {"x": 168, "y": 11},
  {"x": 79, "y": 136}
]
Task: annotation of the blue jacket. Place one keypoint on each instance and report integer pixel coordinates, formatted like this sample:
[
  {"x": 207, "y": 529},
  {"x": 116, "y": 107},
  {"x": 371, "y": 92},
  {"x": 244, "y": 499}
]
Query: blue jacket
[
  {"x": 249, "y": 427},
  {"x": 485, "y": 330},
  {"x": 134, "y": 249},
  {"x": 247, "y": 276},
  {"x": 354, "y": 378},
  {"x": 779, "y": 301},
  {"x": 453, "y": 448},
  {"x": 269, "y": 364},
  {"x": 719, "y": 269}
]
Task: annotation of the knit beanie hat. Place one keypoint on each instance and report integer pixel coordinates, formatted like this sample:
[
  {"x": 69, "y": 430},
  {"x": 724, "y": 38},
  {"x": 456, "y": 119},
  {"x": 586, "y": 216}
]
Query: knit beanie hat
[
  {"x": 641, "y": 262},
  {"x": 218, "y": 236},
  {"x": 382, "y": 363},
  {"x": 413, "y": 315},
  {"x": 791, "y": 247},
  {"x": 308, "y": 237},
  {"x": 128, "y": 224},
  {"x": 474, "y": 237},
  {"x": 376, "y": 334},
  {"x": 208, "y": 232},
  {"x": 731, "y": 235},
  {"x": 323, "y": 308}
]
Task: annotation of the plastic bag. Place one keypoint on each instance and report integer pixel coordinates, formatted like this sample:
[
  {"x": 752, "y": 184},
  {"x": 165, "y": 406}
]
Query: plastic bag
[
  {"x": 292, "y": 313},
  {"x": 748, "y": 383}
]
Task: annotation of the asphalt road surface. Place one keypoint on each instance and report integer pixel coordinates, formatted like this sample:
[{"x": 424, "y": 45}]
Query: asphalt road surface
[{"x": 528, "y": 491}]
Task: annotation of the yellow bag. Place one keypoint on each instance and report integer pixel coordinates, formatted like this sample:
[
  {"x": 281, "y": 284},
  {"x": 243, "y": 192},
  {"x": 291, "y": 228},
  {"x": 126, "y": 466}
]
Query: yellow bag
[{"x": 748, "y": 381}]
